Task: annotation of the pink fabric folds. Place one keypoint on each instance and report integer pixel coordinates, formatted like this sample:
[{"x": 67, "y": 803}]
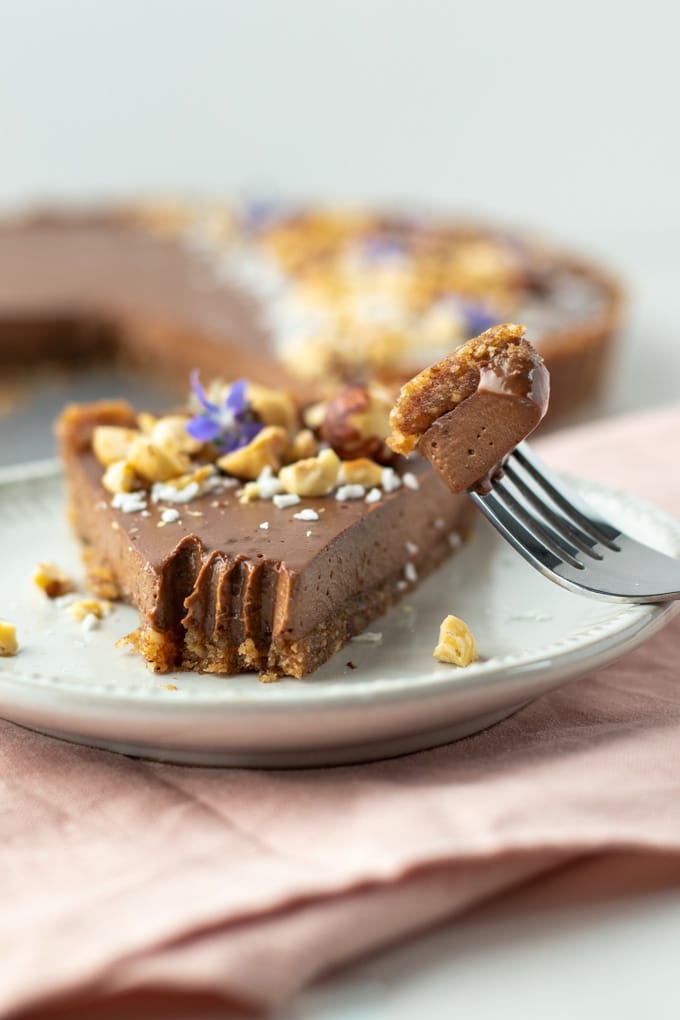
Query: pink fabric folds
[{"x": 119, "y": 875}]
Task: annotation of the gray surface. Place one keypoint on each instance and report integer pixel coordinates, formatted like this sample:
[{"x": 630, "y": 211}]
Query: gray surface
[{"x": 38, "y": 397}]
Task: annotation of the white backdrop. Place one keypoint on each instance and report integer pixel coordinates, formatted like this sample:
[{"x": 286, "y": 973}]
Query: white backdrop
[{"x": 558, "y": 115}]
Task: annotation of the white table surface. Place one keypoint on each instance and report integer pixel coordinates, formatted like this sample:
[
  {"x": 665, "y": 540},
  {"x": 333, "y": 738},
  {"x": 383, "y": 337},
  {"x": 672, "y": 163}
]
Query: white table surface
[{"x": 617, "y": 960}]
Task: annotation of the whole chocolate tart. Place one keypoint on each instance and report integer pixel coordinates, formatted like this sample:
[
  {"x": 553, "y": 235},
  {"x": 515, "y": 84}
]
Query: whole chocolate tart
[
  {"x": 226, "y": 577},
  {"x": 310, "y": 296}
]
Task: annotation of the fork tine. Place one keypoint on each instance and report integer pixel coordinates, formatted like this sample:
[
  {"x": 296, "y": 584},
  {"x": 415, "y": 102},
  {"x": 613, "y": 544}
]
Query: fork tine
[
  {"x": 555, "y": 542},
  {"x": 520, "y": 537},
  {"x": 553, "y": 517},
  {"x": 599, "y": 529},
  {"x": 549, "y": 527}
]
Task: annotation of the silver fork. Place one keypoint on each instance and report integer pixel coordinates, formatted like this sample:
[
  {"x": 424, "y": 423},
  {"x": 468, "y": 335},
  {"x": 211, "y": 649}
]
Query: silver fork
[{"x": 568, "y": 541}]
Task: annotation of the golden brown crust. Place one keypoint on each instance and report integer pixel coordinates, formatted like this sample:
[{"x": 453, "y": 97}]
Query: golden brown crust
[
  {"x": 76, "y": 423},
  {"x": 438, "y": 389}
]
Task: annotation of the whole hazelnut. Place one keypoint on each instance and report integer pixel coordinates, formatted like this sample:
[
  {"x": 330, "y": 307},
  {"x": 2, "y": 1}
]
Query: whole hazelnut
[{"x": 356, "y": 422}]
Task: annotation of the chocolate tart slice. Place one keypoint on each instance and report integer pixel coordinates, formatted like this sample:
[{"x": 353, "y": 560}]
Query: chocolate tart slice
[
  {"x": 467, "y": 413},
  {"x": 224, "y": 586}
]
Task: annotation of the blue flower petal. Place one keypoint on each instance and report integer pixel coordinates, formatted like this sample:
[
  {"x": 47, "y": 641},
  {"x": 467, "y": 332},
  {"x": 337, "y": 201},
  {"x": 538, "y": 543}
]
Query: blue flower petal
[
  {"x": 259, "y": 213},
  {"x": 382, "y": 248},
  {"x": 249, "y": 430},
  {"x": 236, "y": 400},
  {"x": 201, "y": 394},
  {"x": 478, "y": 318},
  {"x": 203, "y": 428}
]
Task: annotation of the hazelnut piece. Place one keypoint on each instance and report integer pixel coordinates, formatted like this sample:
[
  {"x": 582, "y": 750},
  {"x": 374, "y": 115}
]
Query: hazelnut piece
[
  {"x": 155, "y": 463},
  {"x": 361, "y": 471},
  {"x": 456, "y": 643},
  {"x": 8, "y": 638},
  {"x": 111, "y": 443},
  {"x": 265, "y": 450},
  {"x": 304, "y": 445},
  {"x": 357, "y": 421},
  {"x": 273, "y": 407},
  {"x": 53, "y": 580},
  {"x": 315, "y": 476}
]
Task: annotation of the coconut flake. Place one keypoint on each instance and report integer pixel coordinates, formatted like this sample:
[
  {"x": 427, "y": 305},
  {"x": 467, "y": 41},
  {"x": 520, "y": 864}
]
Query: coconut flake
[
  {"x": 306, "y": 515},
  {"x": 129, "y": 502},
  {"x": 390, "y": 480},
  {"x": 350, "y": 492},
  {"x": 410, "y": 573},
  {"x": 285, "y": 500}
]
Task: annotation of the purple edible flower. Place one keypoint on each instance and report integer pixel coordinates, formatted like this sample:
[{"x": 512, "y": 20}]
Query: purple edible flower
[
  {"x": 381, "y": 248},
  {"x": 259, "y": 214},
  {"x": 478, "y": 317},
  {"x": 230, "y": 424}
]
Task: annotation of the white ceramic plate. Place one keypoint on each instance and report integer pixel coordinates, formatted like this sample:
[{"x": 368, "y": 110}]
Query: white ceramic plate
[{"x": 532, "y": 636}]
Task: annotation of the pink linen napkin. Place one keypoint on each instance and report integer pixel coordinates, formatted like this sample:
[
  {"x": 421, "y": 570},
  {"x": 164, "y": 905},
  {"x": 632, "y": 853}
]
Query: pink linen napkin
[{"x": 118, "y": 875}]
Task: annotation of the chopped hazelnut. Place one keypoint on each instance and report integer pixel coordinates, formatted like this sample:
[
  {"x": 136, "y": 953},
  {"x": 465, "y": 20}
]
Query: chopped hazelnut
[
  {"x": 265, "y": 450},
  {"x": 170, "y": 434},
  {"x": 155, "y": 463},
  {"x": 314, "y": 415},
  {"x": 315, "y": 476},
  {"x": 304, "y": 445},
  {"x": 8, "y": 639},
  {"x": 357, "y": 421},
  {"x": 456, "y": 643},
  {"x": 145, "y": 422},
  {"x": 119, "y": 477},
  {"x": 273, "y": 407},
  {"x": 89, "y": 607},
  {"x": 361, "y": 472},
  {"x": 112, "y": 443},
  {"x": 53, "y": 580}
]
